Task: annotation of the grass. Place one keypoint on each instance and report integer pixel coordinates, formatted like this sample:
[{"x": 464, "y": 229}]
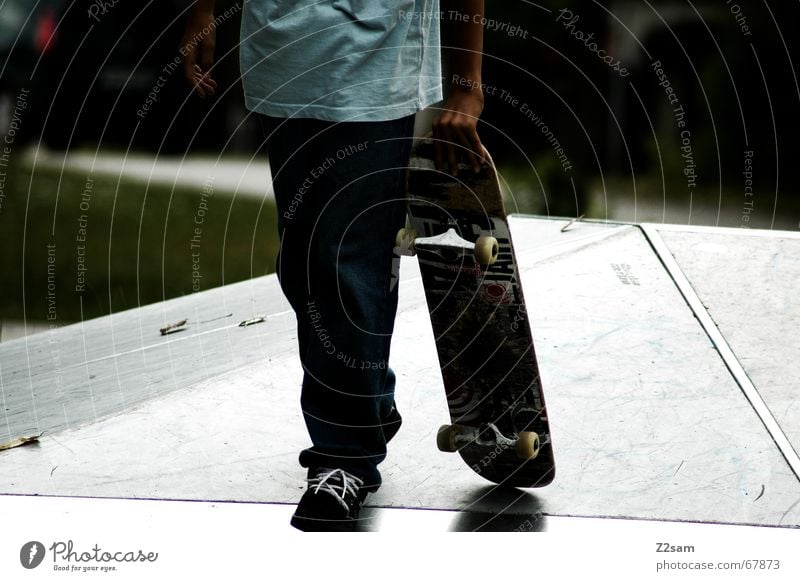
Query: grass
[
  {"x": 76, "y": 247},
  {"x": 138, "y": 246}
]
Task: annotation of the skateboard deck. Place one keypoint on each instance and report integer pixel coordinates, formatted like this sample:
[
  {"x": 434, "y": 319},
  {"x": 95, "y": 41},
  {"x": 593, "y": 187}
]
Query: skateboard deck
[{"x": 482, "y": 329}]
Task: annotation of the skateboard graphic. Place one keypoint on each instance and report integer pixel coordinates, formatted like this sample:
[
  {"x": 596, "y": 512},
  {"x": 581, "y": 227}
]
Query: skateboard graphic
[{"x": 459, "y": 233}]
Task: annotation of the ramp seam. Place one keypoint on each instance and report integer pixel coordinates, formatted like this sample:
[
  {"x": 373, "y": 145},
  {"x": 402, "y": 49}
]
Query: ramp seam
[{"x": 725, "y": 351}]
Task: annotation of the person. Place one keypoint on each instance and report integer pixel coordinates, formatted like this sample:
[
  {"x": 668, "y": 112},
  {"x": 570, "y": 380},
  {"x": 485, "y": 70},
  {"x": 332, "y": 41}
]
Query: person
[{"x": 336, "y": 85}]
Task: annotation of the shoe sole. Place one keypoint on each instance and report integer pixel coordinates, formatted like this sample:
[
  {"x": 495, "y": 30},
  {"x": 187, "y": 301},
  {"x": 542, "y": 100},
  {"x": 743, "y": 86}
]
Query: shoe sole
[{"x": 313, "y": 525}]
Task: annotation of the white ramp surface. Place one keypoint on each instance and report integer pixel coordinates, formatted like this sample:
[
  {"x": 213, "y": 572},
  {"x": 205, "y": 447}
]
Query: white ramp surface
[
  {"x": 748, "y": 283},
  {"x": 648, "y": 421}
]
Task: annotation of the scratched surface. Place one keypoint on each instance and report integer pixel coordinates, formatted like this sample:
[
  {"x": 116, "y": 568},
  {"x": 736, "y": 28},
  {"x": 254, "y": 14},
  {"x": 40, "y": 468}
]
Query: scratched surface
[
  {"x": 75, "y": 374},
  {"x": 647, "y": 422},
  {"x": 748, "y": 284}
]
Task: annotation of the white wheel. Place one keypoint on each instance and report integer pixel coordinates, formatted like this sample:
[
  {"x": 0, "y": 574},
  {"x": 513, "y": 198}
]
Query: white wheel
[
  {"x": 446, "y": 439},
  {"x": 486, "y": 249},
  {"x": 404, "y": 240},
  {"x": 527, "y": 445}
]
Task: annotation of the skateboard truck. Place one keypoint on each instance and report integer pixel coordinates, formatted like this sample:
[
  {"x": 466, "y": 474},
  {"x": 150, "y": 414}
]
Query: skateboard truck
[
  {"x": 449, "y": 245},
  {"x": 451, "y": 438}
]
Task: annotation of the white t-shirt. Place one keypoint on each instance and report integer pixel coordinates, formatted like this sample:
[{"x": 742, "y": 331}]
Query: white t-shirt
[{"x": 340, "y": 60}]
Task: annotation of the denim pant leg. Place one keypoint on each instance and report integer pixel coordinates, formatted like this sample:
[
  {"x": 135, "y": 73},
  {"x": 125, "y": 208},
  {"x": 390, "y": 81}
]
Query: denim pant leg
[{"x": 340, "y": 197}]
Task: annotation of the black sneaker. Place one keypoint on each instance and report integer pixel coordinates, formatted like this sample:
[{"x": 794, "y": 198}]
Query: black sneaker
[{"x": 331, "y": 503}]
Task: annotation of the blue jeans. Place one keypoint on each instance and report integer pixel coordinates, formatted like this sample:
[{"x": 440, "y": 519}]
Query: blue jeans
[{"x": 339, "y": 189}]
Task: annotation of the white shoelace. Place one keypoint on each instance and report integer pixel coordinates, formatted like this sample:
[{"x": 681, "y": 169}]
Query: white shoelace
[{"x": 349, "y": 484}]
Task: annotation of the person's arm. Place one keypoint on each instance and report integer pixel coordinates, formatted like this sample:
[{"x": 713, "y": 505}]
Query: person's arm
[
  {"x": 197, "y": 48},
  {"x": 456, "y": 125}
]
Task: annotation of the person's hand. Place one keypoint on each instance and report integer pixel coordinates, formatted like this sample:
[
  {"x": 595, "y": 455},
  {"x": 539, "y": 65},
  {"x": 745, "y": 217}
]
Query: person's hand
[
  {"x": 197, "y": 48},
  {"x": 455, "y": 130}
]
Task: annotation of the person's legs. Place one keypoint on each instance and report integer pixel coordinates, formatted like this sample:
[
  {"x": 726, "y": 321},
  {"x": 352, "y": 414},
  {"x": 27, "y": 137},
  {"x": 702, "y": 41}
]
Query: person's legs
[{"x": 339, "y": 191}]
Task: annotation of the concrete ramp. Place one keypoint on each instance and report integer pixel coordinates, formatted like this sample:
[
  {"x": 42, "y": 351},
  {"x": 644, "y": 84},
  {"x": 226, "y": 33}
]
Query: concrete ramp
[{"x": 669, "y": 358}]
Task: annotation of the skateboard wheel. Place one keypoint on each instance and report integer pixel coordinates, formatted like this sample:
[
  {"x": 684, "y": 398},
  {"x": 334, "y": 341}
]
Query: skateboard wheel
[
  {"x": 527, "y": 445},
  {"x": 446, "y": 439},
  {"x": 486, "y": 249},
  {"x": 405, "y": 241}
]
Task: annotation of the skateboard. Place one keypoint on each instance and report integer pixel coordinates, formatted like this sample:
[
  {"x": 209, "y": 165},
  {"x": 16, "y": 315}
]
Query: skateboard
[{"x": 459, "y": 232}]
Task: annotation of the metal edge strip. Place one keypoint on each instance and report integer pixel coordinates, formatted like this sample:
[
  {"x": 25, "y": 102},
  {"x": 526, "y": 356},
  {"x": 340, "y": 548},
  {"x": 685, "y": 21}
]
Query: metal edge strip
[
  {"x": 722, "y": 230},
  {"x": 723, "y": 348}
]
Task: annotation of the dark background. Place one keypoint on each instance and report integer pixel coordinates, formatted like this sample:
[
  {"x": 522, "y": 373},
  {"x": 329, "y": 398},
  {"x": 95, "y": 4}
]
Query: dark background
[
  {"x": 740, "y": 92},
  {"x": 86, "y": 80}
]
